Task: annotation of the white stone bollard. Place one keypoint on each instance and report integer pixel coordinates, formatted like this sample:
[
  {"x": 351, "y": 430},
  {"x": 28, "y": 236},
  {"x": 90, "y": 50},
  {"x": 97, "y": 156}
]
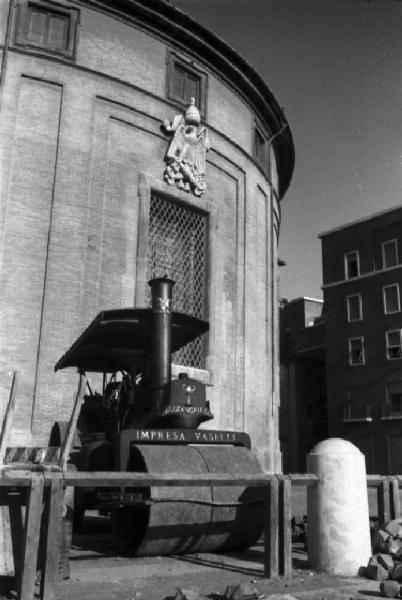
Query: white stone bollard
[{"x": 337, "y": 507}]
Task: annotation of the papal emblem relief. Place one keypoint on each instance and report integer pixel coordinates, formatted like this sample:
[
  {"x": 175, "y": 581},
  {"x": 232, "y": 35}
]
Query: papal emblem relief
[{"x": 185, "y": 156}]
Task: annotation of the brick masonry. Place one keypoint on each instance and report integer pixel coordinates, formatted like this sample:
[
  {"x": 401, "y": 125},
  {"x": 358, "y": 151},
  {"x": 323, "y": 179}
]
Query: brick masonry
[{"x": 81, "y": 150}]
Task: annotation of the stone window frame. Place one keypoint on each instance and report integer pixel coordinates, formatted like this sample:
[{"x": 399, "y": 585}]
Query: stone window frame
[
  {"x": 348, "y": 307},
  {"x": 384, "y": 297},
  {"x": 393, "y": 351},
  {"x": 259, "y": 132},
  {"x": 21, "y": 38},
  {"x": 174, "y": 60},
  {"x": 348, "y": 263},
  {"x": 394, "y": 243},
  {"x": 362, "y": 359}
]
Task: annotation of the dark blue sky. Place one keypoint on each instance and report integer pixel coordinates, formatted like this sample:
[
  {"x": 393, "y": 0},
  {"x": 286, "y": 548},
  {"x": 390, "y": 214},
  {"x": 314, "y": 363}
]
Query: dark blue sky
[{"x": 336, "y": 68}]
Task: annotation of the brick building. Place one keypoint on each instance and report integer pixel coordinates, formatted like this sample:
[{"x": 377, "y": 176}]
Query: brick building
[
  {"x": 90, "y": 210},
  {"x": 303, "y": 409},
  {"x": 362, "y": 280}
]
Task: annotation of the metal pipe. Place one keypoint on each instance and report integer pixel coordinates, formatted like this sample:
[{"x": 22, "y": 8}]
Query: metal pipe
[{"x": 161, "y": 348}]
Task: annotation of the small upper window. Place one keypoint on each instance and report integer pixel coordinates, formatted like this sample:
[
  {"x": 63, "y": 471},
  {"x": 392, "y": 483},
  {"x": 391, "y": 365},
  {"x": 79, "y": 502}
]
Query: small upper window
[
  {"x": 185, "y": 81},
  {"x": 391, "y": 299},
  {"x": 356, "y": 351},
  {"x": 393, "y": 344},
  {"x": 389, "y": 251},
  {"x": 47, "y": 26},
  {"x": 354, "y": 307},
  {"x": 261, "y": 148},
  {"x": 352, "y": 264}
]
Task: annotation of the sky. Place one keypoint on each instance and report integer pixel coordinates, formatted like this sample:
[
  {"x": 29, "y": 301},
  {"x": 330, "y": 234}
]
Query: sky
[{"x": 335, "y": 66}]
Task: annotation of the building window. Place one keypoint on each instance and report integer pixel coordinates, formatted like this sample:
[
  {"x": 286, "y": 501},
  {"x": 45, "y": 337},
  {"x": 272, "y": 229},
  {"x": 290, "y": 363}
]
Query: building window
[
  {"x": 261, "y": 148},
  {"x": 393, "y": 404},
  {"x": 177, "y": 248},
  {"x": 354, "y": 307},
  {"x": 357, "y": 407},
  {"x": 185, "y": 81},
  {"x": 391, "y": 299},
  {"x": 47, "y": 26},
  {"x": 393, "y": 344},
  {"x": 389, "y": 251},
  {"x": 352, "y": 265},
  {"x": 356, "y": 351}
]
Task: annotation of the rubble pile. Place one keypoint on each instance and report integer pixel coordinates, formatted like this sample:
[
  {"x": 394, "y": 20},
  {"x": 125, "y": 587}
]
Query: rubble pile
[{"x": 385, "y": 565}]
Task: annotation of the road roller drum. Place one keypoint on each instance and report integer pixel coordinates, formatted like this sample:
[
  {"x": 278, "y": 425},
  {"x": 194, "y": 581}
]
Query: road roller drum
[{"x": 173, "y": 520}]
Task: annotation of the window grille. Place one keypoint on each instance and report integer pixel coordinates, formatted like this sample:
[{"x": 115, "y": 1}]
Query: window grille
[{"x": 177, "y": 248}]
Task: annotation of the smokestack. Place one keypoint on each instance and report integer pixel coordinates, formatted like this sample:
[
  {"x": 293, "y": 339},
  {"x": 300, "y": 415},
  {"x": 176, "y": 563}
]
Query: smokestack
[{"x": 161, "y": 350}]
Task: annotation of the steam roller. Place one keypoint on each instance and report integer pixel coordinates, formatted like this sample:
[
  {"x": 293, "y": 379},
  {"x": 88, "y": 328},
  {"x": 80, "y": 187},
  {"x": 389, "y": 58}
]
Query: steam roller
[{"x": 145, "y": 421}]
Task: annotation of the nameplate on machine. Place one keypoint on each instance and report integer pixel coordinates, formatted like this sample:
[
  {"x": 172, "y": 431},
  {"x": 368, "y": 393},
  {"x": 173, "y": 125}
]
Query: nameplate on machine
[{"x": 189, "y": 436}]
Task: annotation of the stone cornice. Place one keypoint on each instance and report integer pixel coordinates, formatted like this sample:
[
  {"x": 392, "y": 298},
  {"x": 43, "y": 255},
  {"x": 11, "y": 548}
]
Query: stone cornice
[{"x": 173, "y": 25}]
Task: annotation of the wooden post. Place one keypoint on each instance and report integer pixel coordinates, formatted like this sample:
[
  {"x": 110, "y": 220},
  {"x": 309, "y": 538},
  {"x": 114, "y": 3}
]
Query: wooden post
[
  {"x": 7, "y": 559},
  {"x": 285, "y": 528},
  {"x": 29, "y": 554},
  {"x": 271, "y": 537},
  {"x": 383, "y": 502},
  {"x": 72, "y": 425},
  {"x": 395, "y": 509},
  {"x": 52, "y": 532},
  {"x": 7, "y": 420},
  {"x": 15, "y": 501}
]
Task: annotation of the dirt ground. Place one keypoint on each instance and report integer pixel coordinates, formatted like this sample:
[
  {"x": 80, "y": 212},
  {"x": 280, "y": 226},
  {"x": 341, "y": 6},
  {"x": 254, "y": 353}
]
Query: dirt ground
[{"x": 98, "y": 573}]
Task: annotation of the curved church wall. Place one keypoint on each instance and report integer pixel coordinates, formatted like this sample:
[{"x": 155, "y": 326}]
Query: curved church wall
[{"x": 82, "y": 160}]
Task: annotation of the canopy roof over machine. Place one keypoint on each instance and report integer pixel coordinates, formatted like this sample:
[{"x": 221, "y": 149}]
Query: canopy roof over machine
[{"x": 119, "y": 340}]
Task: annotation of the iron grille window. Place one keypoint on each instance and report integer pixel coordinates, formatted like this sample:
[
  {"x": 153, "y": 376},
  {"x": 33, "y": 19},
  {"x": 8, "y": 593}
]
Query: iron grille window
[{"x": 177, "y": 248}]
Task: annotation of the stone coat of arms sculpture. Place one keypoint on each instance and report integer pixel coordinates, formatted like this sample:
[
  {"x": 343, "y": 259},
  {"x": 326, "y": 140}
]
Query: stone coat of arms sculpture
[{"x": 185, "y": 156}]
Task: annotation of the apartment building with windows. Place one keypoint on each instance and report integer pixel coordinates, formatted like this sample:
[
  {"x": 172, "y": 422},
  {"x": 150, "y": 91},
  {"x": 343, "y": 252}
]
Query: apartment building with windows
[
  {"x": 303, "y": 408},
  {"x": 362, "y": 280}
]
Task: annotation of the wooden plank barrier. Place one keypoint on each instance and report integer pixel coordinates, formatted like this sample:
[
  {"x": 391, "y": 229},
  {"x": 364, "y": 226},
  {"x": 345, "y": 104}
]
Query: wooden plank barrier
[
  {"x": 44, "y": 489},
  {"x": 26, "y": 503},
  {"x": 388, "y": 499}
]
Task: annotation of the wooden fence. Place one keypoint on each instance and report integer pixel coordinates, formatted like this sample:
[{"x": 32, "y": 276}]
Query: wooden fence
[
  {"x": 33, "y": 483},
  {"x": 41, "y": 489}
]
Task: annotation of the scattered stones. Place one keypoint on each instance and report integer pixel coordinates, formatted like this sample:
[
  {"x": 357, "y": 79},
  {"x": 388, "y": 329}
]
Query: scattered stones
[
  {"x": 379, "y": 540},
  {"x": 241, "y": 591},
  {"x": 183, "y": 594},
  {"x": 396, "y": 572},
  {"x": 375, "y": 570},
  {"x": 393, "y": 527},
  {"x": 390, "y": 589},
  {"x": 376, "y": 573},
  {"x": 280, "y": 597},
  {"x": 385, "y": 560}
]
